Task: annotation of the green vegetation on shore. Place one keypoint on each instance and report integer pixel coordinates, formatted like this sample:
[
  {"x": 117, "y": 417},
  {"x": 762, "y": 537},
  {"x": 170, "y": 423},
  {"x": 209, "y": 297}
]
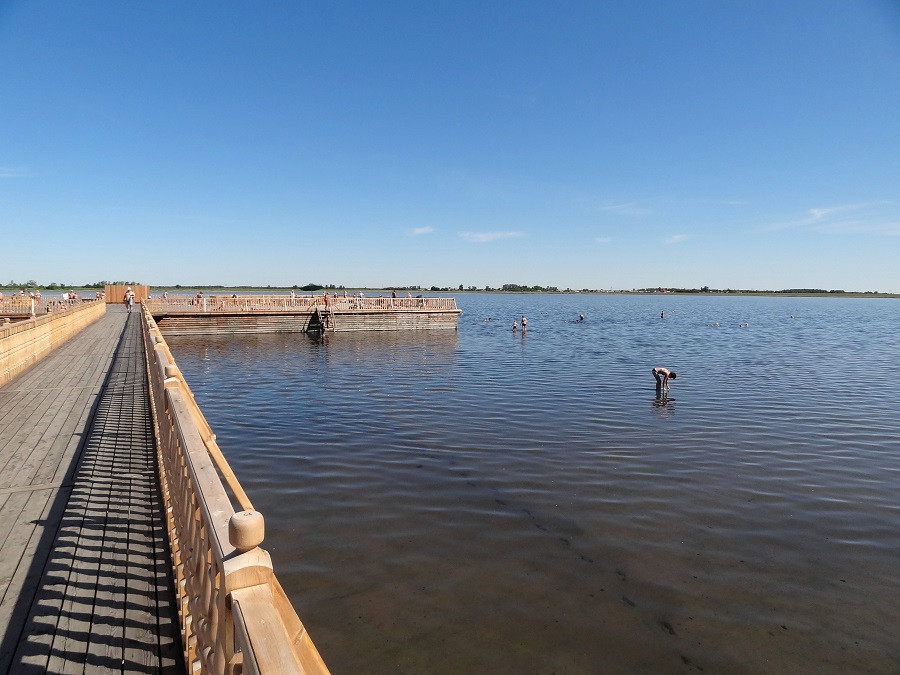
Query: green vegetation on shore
[{"x": 32, "y": 285}]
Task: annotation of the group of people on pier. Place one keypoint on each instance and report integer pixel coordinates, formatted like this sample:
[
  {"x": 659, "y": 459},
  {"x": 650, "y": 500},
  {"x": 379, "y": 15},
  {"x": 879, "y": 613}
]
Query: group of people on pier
[{"x": 35, "y": 302}]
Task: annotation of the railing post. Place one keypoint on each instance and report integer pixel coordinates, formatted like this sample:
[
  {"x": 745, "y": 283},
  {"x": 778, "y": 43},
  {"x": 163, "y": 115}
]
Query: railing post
[
  {"x": 171, "y": 373},
  {"x": 246, "y": 530}
]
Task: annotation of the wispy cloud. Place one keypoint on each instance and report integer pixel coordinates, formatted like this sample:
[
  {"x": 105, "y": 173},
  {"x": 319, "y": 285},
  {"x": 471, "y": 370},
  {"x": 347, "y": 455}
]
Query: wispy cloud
[
  {"x": 422, "y": 230},
  {"x": 9, "y": 172},
  {"x": 868, "y": 218},
  {"x": 484, "y": 237},
  {"x": 603, "y": 240},
  {"x": 887, "y": 228},
  {"x": 676, "y": 239},
  {"x": 632, "y": 209}
]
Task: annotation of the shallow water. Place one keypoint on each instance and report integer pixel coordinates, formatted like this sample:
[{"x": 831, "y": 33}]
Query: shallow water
[{"x": 483, "y": 501}]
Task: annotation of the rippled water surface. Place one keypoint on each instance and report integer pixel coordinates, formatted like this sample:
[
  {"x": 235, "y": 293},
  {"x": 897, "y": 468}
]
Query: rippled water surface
[{"x": 487, "y": 502}]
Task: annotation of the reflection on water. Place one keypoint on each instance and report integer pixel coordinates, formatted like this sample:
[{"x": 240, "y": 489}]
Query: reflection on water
[
  {"x": 663, "y": 404},
  {"x": 484, "y": 501}
]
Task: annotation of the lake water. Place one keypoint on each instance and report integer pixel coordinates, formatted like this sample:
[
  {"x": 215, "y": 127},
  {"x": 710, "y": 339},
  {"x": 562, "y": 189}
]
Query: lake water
[{"x": 488, "y": 502}]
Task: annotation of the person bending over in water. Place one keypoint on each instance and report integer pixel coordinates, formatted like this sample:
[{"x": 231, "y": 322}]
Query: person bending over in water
[{"x": 664, "y": 380}]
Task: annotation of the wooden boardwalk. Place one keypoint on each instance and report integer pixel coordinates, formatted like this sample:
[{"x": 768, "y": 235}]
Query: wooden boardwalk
[{"x": 84, "y": 565}]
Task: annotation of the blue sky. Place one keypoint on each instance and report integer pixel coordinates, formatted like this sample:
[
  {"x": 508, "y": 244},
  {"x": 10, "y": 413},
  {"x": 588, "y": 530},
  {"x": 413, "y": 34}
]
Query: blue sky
[{"x": 573, "y": 144}]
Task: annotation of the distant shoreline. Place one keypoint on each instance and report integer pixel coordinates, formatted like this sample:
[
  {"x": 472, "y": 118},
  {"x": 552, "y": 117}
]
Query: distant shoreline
[
  {"x": 10, "y": 290},
  {"x": 425, "y": 291}
]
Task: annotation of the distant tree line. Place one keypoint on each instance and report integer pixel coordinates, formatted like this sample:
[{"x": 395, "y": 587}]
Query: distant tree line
[
  {"x": 707, "y": 289},
  {"x": 31, "y": 284}
]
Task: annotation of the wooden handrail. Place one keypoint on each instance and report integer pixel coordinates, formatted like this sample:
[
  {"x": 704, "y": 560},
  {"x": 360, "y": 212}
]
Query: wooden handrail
[
  {"x": 18, "y": 305},
  {"x": 171, "y": 370},
  {"x": 234, "y": 615},
  {"x": 27, "y": 339}
]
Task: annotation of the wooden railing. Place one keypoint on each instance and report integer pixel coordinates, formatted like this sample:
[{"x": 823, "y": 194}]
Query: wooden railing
[
  {"x": 25, "y": 342},
  {"x": 235, "y": 617},
  {"x": 28, "y": 306},
  {"x": 297, "y": 303}
]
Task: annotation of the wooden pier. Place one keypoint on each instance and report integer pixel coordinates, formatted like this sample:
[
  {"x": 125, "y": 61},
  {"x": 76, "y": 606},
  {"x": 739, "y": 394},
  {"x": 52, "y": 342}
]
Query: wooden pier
[
  {"x": 84, "y": 565},
  {"x": 300, "y": 314},
  {"x": 120, "y": 545}
]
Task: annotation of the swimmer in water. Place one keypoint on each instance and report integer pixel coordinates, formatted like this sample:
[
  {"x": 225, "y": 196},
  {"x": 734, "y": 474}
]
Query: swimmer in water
[
  {"x": 745, "y": 325},
  {"x": 515, "y": 326},
  {"x": 580, "y": 318},
  {"x": 663, "y": 382}
]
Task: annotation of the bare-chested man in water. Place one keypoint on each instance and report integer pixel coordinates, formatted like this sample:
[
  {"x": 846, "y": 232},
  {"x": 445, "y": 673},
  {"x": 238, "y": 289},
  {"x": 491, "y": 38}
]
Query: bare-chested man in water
[{"x": 664, "y": 380}]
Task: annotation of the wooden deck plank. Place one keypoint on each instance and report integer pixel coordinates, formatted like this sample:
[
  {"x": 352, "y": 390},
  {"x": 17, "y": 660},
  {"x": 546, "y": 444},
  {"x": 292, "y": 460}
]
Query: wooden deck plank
[
  {"x": 53, "y": 370},
  {"x": 50, "y": 590},
  {"x": 171, "y": 658},
  {"x": 69, "y": 648},
  {"x": 78, "y": 617},
  {"x": 95, "y": 595},
  {"x": 113, "y": 483},
  {"x": 17, "y": 425},
  {"x": 141, "y": 600},
  {"x": 30, "y": 397},
  {"x": 46, "y": 385},
  {"x": 59, "y": 466},
  {"x": 25, "y": 579},
  {"x": 30, "y": 507},
  {"x": 140, "y": 619},
  {"x": 14, "y": 407},
  {"x": 44, "y": 430},
  {"x": 15, "y": 503}
]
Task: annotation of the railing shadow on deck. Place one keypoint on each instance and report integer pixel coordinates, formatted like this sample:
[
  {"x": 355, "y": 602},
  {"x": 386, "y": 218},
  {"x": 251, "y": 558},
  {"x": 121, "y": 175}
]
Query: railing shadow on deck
[
  {"x": 234, "y": 614},
  {"x": 24, "y": 624}
]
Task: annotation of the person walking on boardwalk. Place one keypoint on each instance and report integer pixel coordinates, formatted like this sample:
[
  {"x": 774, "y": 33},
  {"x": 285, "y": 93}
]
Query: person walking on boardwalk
[
  {"x": 664, "y": 381},
  {"x": 129, "y": 298}
]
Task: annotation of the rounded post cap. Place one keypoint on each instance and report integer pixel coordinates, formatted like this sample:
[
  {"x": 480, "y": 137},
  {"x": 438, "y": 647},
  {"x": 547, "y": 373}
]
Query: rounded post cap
[{"x": 246, "y": 530}]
